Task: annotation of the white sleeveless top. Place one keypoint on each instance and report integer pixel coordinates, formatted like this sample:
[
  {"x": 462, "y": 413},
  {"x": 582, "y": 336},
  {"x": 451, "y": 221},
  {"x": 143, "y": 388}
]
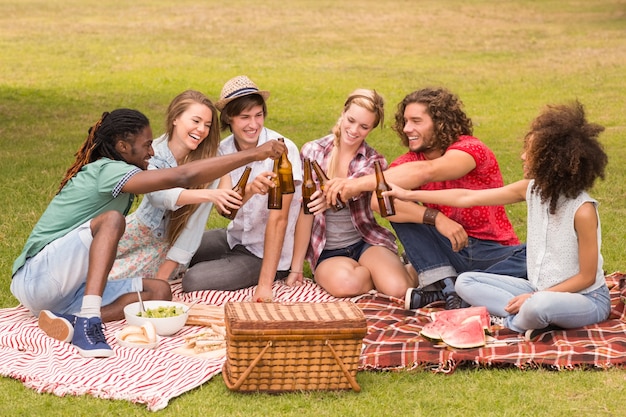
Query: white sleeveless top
[{"x": 552, "y": 243}]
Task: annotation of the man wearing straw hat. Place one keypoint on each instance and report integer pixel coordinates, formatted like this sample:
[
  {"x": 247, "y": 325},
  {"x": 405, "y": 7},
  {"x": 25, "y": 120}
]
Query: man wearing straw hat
[{"x": 257, "y": 246}]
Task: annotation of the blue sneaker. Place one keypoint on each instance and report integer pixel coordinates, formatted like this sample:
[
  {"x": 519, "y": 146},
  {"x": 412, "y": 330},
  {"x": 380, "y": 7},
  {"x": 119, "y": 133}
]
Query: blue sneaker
[
  {"x": 57, "y": 326},
  {"x": 89, "y": 338}
]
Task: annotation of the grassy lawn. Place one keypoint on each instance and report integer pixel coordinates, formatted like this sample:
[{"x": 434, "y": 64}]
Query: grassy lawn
[{"x": 64, "y": 62}]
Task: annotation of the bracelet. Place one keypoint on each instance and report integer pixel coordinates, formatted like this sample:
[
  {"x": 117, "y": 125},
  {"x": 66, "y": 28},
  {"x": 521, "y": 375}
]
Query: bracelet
[
  {"x": 429, "y": 216},
  {"x": 296, "y": 272}
]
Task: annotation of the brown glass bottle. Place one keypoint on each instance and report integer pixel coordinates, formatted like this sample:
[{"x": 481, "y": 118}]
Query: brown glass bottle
[
  {"x": 323, "y": 179},
  {"x": 275, "y": 195},
  {"x": 239, "y": 188},
  {"x": 285, "y": 171},
  {"x": 385, "y": 203},
  {"x": 308, "y": 186}
]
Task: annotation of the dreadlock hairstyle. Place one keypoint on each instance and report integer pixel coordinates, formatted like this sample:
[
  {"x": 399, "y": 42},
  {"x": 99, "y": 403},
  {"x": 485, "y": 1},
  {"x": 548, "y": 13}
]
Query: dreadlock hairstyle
[
  {"x": 563, "y": 153},
  {"x": 446, "y": 110},
  {"x": 206, "y": 149},
  {"x": 120, "y": 124},
  {"x": 369, "y": 100}
]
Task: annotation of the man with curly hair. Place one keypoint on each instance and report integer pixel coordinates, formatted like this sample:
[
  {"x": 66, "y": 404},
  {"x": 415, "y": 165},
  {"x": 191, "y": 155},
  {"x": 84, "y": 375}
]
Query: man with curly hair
[{"x": 441, "y": 241}]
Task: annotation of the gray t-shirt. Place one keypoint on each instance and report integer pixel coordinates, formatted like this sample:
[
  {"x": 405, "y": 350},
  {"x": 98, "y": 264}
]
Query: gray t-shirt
[{"x": 340, "y": 232}]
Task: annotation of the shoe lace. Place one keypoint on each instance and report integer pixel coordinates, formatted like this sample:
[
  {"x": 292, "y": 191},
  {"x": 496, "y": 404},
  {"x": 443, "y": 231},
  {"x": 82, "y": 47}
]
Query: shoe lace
[
  {"x": 95, "y": 332},
  {"x": 428, "y": 297},
  {"x": 453, "y": 302}
]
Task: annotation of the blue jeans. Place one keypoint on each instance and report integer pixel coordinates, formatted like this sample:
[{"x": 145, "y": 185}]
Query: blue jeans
[
  {"x": 432, "y": 256},
  {"x": 543, "y": 308}
]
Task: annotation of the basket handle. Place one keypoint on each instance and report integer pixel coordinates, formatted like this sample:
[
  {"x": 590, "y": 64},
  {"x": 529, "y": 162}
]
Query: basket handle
[
  {"x": 243, "y": 376},
  {"x": 346, "y": 372}
]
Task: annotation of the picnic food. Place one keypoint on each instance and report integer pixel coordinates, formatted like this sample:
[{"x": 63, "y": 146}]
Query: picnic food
[
  {"x": 205, "y": 315},
  {"x": 166, "y": 324},
  {"x": 209, "y": 343},
  {"x": 462, "y": 328},
  {"x": 162, "y": 312},
  {"x": 212, "y": 338},
  {"x": 459, "y": 315},
  {"x": 146, "y": 333},
  {"x": 469, "y": 334}
]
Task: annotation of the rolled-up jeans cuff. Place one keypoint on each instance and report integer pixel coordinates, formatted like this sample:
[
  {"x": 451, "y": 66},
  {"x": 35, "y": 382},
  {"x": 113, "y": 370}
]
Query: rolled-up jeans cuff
[{"x": 431, "y": 276}]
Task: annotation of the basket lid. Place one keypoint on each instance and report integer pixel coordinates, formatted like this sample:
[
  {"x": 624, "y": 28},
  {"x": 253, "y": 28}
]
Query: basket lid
[{"x": 243, "y": 317}]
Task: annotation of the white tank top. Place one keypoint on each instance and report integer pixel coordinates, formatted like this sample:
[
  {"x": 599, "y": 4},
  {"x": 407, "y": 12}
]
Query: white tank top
[{"x": 552, "y": 243}]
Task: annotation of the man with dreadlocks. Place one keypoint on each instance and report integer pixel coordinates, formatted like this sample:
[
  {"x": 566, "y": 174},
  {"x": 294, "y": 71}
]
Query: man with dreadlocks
[{"x": 61, "y": 274}]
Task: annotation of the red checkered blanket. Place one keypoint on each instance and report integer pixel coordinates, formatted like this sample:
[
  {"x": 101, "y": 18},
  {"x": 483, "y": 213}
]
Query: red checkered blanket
[
  {"x": 393, "y": 341},
  {"x": 154, "y": 377}
]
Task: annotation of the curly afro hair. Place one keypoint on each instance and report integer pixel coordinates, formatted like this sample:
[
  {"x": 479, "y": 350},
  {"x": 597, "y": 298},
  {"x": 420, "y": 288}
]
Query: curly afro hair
[{"x": 563, "y": 153}]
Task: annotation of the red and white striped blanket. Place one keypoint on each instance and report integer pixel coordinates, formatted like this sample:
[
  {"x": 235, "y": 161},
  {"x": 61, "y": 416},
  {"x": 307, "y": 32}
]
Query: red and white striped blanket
[
  {"x": 154, "y": 377},
  {"x": 151, "y": 377}
]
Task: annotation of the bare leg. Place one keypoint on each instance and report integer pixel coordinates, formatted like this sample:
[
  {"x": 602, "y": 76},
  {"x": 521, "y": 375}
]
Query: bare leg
[
  {"x": 107, "y": 230},
  {"x": 388, "y": 273},
  {"x": 153, "y": 289},
  {"x": 343, "y": 277}
]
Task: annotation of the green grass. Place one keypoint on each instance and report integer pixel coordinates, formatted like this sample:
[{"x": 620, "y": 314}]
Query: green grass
[{"x": 63, "y": 63}]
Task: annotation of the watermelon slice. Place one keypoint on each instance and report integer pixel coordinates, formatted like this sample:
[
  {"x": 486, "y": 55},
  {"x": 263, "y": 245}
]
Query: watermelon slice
[
  {"x": 469, "y": 334},
  {"x": 460, "y": 315},
  {"x": 447, "y": 322},
  {"x": 433, "y": 330}
]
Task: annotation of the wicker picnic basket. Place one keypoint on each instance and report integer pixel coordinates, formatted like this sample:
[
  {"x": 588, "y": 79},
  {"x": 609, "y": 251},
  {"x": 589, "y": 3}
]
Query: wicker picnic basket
[{"x": 275, "y": 347}]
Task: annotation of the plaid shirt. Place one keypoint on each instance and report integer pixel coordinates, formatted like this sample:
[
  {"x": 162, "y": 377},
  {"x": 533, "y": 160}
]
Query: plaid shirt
[{"x": 360, "y": 210}]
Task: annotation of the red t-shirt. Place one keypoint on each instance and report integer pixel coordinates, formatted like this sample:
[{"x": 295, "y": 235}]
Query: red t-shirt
[{"x": 480, "y": 222}]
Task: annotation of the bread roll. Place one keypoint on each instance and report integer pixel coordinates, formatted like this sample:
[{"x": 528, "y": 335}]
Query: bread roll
[
  {"x": 149, "y": 332},
  {"x": 129, "y": 330}
]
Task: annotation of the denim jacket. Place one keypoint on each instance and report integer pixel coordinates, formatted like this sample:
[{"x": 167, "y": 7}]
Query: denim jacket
[{"x": 154, "y": 209}]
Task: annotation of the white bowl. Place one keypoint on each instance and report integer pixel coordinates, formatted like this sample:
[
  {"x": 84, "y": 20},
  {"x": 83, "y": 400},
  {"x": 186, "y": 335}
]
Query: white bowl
[{"x": 165, "y": 326}]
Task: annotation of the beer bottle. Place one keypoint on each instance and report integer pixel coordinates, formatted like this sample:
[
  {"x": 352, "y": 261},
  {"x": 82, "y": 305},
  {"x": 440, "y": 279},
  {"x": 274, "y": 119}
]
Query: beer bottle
[
  {"x": 275, "y": 195},
  {"x": 385, "y": 203},
  {"x": 323, "y": 179},
  {"x": 308, "y": 186},
  {"x": 239, "y": 188},
  {"x": 285, "y": 172}
]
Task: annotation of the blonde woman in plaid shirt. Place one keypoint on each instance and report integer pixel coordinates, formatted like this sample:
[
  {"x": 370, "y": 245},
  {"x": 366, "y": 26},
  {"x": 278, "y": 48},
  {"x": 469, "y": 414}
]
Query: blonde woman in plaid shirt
[{"x": 348, "y": 251}]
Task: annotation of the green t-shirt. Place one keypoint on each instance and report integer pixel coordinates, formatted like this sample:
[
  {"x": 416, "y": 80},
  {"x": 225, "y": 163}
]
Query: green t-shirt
[{"x": 95, "y": 189}]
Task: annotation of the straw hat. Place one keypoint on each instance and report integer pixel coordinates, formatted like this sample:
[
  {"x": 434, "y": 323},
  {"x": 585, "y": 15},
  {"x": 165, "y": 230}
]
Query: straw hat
[{"x": 238, "y": 87}]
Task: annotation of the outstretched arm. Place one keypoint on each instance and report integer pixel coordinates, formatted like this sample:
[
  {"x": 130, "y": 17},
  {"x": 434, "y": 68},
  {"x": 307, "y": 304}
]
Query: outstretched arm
[
  {"x": 303, "y": 237},
  {"x": 451, "y": 165},
  {"x": 272, "y": 249},
  {"x": 199, "y": 172},
  {"x": 461, "y": 197}
]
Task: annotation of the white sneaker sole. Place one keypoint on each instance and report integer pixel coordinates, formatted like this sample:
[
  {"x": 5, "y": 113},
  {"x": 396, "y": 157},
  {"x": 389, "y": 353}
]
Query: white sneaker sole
[
  {"x": 407, "y": 298},
  {"x": 95, "y": 353}
]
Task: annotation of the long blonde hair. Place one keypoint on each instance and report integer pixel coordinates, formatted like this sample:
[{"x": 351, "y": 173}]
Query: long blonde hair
[
  {"x": 206, "y": 149},
  {"x": 369, "y": 100}
]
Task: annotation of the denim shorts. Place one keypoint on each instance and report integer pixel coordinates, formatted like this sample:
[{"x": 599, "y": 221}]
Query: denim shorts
[
  {"x": 55, "y": 278},
  {"x": 353, "y": 251}
]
